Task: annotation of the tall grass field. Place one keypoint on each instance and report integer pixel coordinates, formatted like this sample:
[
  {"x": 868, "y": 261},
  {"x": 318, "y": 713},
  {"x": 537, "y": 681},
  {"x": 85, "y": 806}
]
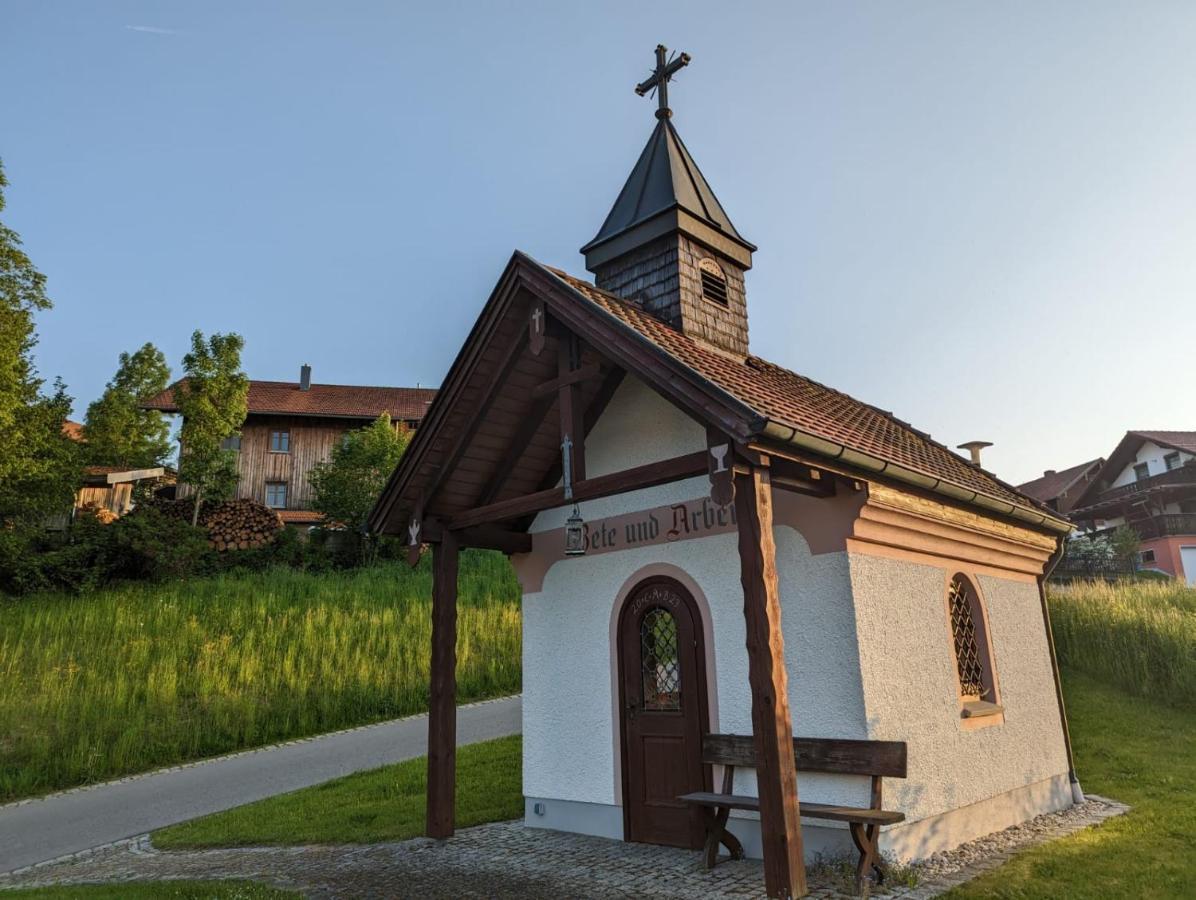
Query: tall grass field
[
  {"x": 141, "y": 676},
  {"x": 1139, "y": 636}
]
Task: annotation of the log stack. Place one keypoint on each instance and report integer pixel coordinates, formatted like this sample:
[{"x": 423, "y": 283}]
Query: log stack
[
  {"x": 241, "y": 525},
  {"x": 231, "y": 525}
]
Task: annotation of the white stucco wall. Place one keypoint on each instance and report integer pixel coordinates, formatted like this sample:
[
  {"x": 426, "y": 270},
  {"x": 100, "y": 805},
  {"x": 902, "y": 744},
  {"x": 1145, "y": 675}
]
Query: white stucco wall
[
  {"x": 895, "y": 681},
  {"x": 570, "y": 737},
  {"x": 911, "y": 689}
]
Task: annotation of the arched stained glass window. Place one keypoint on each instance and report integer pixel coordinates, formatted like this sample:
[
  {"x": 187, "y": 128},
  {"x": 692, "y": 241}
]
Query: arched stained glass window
[{"x": 659, "y": 665}]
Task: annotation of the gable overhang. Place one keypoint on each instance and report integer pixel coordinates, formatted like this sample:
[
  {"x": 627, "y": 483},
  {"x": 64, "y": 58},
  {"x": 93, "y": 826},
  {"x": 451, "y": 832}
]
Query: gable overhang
[{"x": 624, "y": 347}]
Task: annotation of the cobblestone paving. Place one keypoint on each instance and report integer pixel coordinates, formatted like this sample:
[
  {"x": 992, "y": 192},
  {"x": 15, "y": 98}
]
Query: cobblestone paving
[{"x": 507, "y": 860}]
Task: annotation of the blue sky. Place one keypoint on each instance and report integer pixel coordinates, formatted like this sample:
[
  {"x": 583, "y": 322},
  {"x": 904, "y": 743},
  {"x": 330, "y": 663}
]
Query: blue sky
[{"x": 977, "y": 215}]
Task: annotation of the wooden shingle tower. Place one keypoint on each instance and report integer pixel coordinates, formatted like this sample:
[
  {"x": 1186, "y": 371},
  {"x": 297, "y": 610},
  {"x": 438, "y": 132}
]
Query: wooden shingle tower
[{"x": 667, "y": 243}]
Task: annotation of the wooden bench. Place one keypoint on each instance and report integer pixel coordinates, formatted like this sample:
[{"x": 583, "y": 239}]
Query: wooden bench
[{"x": 876, "y": 759}]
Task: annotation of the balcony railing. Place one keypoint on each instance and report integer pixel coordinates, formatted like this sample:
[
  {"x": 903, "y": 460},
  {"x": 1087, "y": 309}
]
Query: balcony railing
[
  {"x": 1182, "y": 475},
  {"x": 1172, "y": 524}
]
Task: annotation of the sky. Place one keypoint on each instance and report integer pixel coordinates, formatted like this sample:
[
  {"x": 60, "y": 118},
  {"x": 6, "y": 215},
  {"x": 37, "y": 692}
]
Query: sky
[{"x": 976, "y": 215}]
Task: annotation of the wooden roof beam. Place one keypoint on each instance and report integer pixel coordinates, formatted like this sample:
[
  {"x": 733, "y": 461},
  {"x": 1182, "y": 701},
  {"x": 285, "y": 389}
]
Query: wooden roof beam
[{"x": 634, "y": 479}]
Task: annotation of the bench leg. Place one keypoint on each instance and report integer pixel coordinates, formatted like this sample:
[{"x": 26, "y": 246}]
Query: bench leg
[
  {"x": 867, "y": 840},
  {"x": 717, "y": 833}
]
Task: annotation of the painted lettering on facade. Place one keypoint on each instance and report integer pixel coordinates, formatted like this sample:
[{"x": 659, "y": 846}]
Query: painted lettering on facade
[{"x": 662, "y": 525}]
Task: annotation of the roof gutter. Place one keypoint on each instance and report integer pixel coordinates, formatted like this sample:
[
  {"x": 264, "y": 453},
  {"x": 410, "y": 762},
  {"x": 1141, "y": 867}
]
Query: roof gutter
[{"x": 786, "y": 434}]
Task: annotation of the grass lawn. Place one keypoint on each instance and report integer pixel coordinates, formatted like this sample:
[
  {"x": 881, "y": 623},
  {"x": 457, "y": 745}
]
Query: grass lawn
[
  {"x": 386, "y": 804},
  {"x": 1140, "y": 753},
  {"x": 155, "y": 890},
  {"x": 140, "y": 676}
]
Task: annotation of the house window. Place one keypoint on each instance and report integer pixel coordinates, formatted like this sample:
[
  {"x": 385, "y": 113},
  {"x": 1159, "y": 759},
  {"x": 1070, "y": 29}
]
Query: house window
[
  {"x": 280, "y": 441},
  {"x": 973, "y": 660},
  {"x": 1171, "y": 461},
  {"x": 276, "y": 494},
  {"x": 714, "y": 281},
  {"x": 231, "y": 443},
  {"x": 1142, "y": 471},
  {"x": 1147, "y": 557}
]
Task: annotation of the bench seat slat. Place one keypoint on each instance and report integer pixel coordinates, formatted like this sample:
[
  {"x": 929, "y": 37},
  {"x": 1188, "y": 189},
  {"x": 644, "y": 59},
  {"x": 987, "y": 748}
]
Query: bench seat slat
[{"x": 809, "y": 810}]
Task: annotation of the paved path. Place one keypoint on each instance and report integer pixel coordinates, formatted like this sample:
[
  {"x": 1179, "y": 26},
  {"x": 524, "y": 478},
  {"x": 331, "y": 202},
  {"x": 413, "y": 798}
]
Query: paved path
[
  {"x": 508, "y": 860},
  {"x": 33, "y": 831}
]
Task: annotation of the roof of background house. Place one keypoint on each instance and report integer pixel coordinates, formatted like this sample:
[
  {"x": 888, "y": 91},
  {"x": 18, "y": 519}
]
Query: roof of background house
[
  {"x": 1178, "y": 440},
  {"x": 73, "y": 430},
  {"x": 323, "y": 400},
  {"x": 1053, "y": 484},
  {"x": 779, "y": 394}
]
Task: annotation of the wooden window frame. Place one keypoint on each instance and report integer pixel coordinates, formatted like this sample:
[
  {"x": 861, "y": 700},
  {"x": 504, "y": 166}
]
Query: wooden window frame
[
  {"x": 974, "y": 712},
  {"x": 1138, "y": 476},
  {"x": 284, "y": 435},
  {"x": 286, "y": 494},
  {"x": 1167, "y": 467}
]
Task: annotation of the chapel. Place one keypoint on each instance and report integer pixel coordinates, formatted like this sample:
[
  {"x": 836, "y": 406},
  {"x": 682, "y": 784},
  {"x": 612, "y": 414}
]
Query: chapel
[{"x": 760, "y": 617}]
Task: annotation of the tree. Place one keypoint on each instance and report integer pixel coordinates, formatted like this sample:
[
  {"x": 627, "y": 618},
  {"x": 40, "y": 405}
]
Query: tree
[
  {"x": 1125, "y": 543},
  {"x": 39, "y": 466},
  {"x": 212, "y": 398},
  {"x": 119, "y": 432},
  {"x": 346, "y": 487}
]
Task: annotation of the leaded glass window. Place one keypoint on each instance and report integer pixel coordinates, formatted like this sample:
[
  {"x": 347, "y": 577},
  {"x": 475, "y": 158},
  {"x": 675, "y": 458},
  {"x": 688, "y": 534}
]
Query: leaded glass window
[
  {"x": 967, "y": 646},
  {"x": 660, "y": 667}
]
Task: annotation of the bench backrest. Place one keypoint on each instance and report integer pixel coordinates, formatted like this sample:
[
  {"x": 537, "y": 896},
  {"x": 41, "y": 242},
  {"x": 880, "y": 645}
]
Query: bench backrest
[{"x": 885, "y": 758}]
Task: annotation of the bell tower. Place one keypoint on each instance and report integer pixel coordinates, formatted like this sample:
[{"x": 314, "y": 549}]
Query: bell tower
[{"x": 667, "y": 244}]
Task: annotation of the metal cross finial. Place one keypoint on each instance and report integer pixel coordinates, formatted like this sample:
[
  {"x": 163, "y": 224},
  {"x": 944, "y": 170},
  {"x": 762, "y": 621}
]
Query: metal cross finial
[{"x": 659, "y": 79}]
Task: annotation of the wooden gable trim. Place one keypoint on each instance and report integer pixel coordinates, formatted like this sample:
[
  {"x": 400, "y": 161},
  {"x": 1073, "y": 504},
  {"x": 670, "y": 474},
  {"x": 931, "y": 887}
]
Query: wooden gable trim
[{"x": 612, "y": 339}]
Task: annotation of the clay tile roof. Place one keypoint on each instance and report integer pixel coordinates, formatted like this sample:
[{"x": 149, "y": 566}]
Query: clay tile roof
[
  {"x": 1052, "y": 485},
  {"x": 1180, "y": 440},
  {"x": 73, "y": 430},
  {"x": 779, "y": 395},
  {"x": 334, "y": 400}
]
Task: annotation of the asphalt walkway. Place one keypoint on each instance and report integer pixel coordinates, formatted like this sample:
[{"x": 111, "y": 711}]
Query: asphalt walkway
[{"x": 33, "y": 831}]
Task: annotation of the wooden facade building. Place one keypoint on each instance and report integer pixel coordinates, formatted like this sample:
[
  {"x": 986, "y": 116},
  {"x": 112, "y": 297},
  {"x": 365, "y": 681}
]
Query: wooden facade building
[{"x": 291, "y": 426}]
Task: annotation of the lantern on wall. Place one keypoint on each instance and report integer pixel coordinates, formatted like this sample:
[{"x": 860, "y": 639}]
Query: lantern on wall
[{"x": 575, "y": 534}]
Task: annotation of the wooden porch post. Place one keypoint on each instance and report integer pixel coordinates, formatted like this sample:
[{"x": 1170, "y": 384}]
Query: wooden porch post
[
  {"x": 780, "y": 826},
  {"x": 442, "y": 707}
]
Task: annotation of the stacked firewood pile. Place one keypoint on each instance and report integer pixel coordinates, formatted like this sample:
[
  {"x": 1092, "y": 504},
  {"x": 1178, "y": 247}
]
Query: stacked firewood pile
[
  {"x": 241, "y": 525},
  {"x": 102, "y": 514},
  {"x": 231, "y": 525}
]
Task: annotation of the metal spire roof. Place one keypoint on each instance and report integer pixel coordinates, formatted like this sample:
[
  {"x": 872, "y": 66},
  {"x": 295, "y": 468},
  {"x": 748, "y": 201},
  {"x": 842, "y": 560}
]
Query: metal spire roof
[{"x": 666, "y": 178}]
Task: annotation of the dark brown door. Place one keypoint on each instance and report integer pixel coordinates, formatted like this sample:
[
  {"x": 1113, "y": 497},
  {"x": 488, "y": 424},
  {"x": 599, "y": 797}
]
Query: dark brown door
[{"x": 663, "y": 698}]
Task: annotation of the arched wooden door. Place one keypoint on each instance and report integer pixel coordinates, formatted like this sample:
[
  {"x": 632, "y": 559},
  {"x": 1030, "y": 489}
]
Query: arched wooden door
[{"x": 662, "y": 697}]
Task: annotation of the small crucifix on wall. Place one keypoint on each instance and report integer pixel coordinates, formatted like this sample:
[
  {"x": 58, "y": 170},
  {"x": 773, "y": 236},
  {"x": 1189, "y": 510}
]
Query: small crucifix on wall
[{"x": 536, "y": 327}]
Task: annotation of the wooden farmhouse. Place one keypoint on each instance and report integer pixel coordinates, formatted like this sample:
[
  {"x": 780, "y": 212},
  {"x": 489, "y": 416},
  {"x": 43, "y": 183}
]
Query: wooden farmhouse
[
  {"x": 291, "y": 426},
  {"x": 757, "y": 612}
]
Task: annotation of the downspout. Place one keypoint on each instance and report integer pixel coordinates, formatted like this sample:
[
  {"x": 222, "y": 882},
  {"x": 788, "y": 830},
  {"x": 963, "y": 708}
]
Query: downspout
[{"x": 1077, "y": 793}]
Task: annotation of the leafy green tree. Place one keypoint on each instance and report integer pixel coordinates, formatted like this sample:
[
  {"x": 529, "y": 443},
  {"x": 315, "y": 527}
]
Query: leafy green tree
[
  {"x": 119, "y": 432},
  {"x": 212, "y": 398},
  {"x": 1125, "y": 543},
  {"x": 347, "y": 485},
  {"x": 39, "y": 466}
]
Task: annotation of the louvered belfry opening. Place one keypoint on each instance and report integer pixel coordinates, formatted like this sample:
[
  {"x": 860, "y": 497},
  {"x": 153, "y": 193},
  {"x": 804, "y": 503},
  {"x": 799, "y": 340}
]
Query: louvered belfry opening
[
  {"x": 714, "y": 282},
  {"x": 967, "y": 646},
  {"x": 660, "y": 667}
]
